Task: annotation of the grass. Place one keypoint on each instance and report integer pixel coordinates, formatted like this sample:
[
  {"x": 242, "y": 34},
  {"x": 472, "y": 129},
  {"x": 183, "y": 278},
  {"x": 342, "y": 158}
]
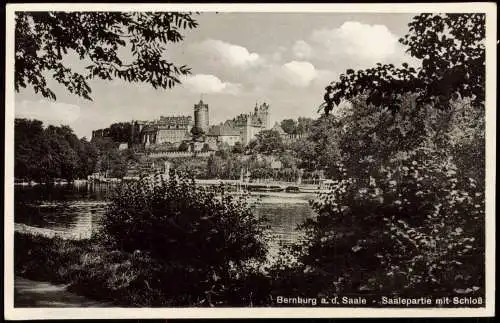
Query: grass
[
  {"x": 111, "y": 276},
  {"x": 87, "y": 268}
]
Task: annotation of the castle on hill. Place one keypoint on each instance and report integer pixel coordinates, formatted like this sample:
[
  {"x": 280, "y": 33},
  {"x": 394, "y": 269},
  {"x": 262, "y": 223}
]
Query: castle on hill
[
  {"x": 174, "y": 130},
  {"x": 249, "y": 124}
]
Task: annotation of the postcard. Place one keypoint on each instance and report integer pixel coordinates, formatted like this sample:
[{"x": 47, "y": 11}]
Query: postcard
[{"x": 250, "y": 160}]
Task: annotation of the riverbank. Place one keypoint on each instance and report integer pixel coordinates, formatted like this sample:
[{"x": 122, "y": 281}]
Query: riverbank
[
  {"x": 57, "y": 182},
  {"x": 51, "y": 233},
  {"x": 71, "y": 269},
  {"x": 31, "y": 293},
  {"x": 80, "y": 267}
]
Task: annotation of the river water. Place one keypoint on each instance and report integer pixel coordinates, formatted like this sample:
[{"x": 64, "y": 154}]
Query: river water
[{"x": 76, "y": 209}]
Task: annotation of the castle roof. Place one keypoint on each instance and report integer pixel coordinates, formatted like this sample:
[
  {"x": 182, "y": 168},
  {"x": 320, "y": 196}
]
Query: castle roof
[
  {"x": 175, "y": 120},
  {"x": 222, "y": 130}
]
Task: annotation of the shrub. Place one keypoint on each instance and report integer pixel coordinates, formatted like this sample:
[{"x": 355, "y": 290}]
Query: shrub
[
  {"x": 196, "y": 241},
  {"x": 414, "y": 226}
]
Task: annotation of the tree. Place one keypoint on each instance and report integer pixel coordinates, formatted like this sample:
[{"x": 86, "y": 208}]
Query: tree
[
  {"x": 113, "y": 162},
  {"x": 304, "y": 125},
  {"x": 55, "y": 152},
  {"x": 121, "y": 132},
  {"x": 215, "y": 165},
  {"x": 43, "y": 39},
  {"x": 452, "y": 51},
  {"x": 289, "y": 126},
  {"x": 407, "y": 215},
  {"x": 267, "y": 142},
  {"x": 183, "y": 146},
  {"x": 325, "y": 138},
  {"x": 304, "y": 150},
  {"x": 88, "y": 154},
  {"x": 238, "y": 148},
  {"x": 223, "y": 149},
  {"x": 288, "y": 160},
  {"x": 197, "y": 132},
  {"x": 205, "y": 148}
]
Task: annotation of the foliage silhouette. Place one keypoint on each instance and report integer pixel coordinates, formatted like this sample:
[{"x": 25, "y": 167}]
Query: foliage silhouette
[
  {"x": 267, "y": 142},
  {"x": 43, "y": 39},
  {"x": 54, "y": 152},
  {"x": 452, "y": 52}
]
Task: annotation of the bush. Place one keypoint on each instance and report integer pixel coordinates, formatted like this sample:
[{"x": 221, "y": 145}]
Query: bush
[
  {"x": 414, "y": 226},
  {"x": 198, "y": 242}
]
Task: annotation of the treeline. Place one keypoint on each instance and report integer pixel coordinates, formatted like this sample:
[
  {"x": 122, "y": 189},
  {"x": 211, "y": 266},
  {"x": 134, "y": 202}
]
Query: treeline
[
  {"x": 119, "y": 132},
  {"x": 43, "y": 154},
  {"x": 297, "y": 127},
  {"x": 268, "y": 156}
]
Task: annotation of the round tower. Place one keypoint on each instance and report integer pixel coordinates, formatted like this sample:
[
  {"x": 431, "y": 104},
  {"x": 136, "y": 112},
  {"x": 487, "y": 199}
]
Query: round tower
[{"x": 201, "y": 116}]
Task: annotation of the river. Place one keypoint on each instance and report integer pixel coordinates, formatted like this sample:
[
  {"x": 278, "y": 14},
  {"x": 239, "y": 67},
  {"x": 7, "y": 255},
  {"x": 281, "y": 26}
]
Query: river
[{"x": 75, "y": 209}]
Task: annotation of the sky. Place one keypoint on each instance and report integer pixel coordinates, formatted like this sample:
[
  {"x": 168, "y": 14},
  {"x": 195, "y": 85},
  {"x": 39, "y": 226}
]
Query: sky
[{"x": 237, "y": 60}]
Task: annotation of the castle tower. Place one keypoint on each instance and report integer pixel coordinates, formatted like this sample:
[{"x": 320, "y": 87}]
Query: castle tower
[
  {"x": 264, "y": 115},
  {"x": 201, "y": 116}
]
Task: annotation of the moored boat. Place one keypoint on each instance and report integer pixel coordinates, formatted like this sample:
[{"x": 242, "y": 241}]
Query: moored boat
[{"x": 265, "y": 188}]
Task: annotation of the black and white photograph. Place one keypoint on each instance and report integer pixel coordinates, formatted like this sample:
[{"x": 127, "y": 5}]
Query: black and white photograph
[{"x": 174, "y": 161}]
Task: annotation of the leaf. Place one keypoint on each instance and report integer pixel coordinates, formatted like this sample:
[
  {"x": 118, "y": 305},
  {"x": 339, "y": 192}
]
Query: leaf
[{"x": 356, "y": 248}]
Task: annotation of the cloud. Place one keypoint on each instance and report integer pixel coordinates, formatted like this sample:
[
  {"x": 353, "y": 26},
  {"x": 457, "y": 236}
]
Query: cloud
[
  {"x": 226, "y": 54},
  {"x": 299, "y": 73},
  {"x": 324, "y": 77},
  {"x": 55, "y": 113},
  {"x": 205, "y": 83},
  {"x": 356, "y": 41},
  {"x": 277, "y": 55},
  {"x": 302, "y": 49}
]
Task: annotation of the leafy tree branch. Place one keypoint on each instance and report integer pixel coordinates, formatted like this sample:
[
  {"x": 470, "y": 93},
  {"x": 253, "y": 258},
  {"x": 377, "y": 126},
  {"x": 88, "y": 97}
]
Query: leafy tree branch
[{"x": 44, "y": 38}]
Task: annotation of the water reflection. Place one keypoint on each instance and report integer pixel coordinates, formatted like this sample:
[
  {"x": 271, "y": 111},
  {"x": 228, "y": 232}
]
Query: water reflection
[
  {"x": 72, "y": 208},
  {"x": 76, "y": 209}
]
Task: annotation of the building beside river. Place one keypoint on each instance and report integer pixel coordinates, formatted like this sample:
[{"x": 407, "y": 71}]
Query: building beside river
[
  {"x": 250, "y": 124},
  {"x": 172, "y": 131}
]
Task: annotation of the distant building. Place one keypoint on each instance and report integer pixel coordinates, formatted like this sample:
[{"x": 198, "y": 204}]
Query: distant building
[
  {"x": 201, "y": 120},
  {"x": 223, "y": 134},
  {"x": 276, "y": 164},
  {"x": 172, "y": 129},
  {"x": 101, "y": 133},
  {"x": 248, "y": 125}
]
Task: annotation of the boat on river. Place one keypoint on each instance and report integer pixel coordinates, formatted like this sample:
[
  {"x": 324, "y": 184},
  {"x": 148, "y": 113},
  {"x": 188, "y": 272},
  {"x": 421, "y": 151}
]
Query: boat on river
[
  {"x": 292, "y": 189},
  {"x": 265, "y": 188}
]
